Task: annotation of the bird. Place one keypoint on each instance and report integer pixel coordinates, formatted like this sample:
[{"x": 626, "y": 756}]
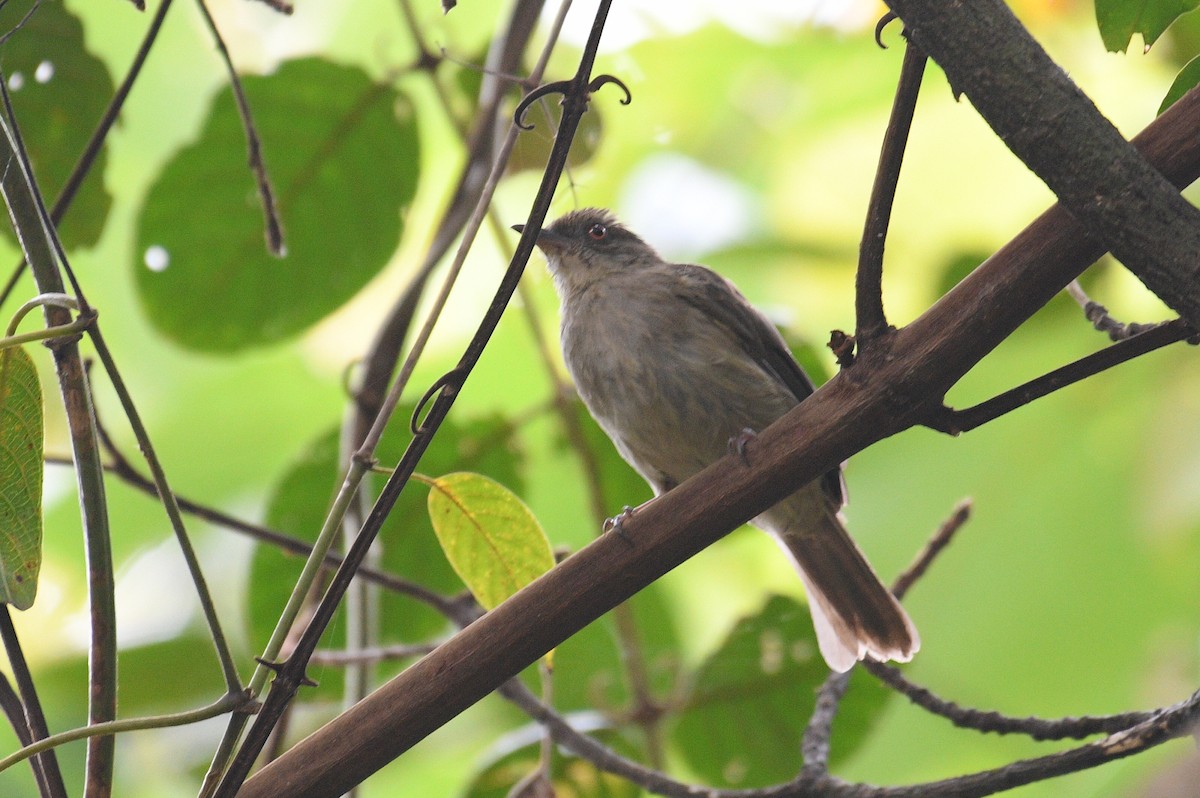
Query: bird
[{"x": 676, "y": 366}]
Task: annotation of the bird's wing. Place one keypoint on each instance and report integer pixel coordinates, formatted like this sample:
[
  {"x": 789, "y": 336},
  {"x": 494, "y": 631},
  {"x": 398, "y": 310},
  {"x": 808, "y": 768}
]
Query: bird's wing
[{"x": 721, "y": 301}]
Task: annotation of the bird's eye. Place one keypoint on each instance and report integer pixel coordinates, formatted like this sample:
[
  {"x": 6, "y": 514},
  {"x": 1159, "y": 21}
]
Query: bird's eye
[{"x": 597, "y": 232}]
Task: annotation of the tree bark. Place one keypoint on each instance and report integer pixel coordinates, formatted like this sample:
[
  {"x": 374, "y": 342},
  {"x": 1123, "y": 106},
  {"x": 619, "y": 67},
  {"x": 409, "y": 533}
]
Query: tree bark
[{"x": 1056, "y": 130}]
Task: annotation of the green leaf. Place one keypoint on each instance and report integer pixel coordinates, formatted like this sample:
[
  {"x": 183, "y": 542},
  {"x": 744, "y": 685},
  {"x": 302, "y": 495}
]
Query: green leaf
[
  {"x": 489, "y": 536},
  {"x": 59, "y": 90},
  {"x": 20, "y": 478},
  {"x": 767, "y": 670},
  {"x": 409, "y": 547},
  {"x": 1187, "y": 78},
  {"x": 569, "y": 775},
  {"x": 590, "y": 672},
  {"x": 1120, "y": 19},
  {"x": 342, "y": 155}
]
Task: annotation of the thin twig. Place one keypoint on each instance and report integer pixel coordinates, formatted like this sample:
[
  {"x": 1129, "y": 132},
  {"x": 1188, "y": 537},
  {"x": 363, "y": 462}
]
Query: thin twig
[
  {"x": 224, "y": 655},
  {"x": 1155, "y": 728},
  {"x": 988, "y": 721},
  {"x": 273, "y": 227},
  {"x": 1102, "y": 320},
  {"x": 8, "y": 34},
  {"x": 10, "y": 705},
  {"x": 868, "y": 303},
  {"x": 31, "y": 726},
  {"x": 282, "y": 6},
  {"x": 46, "y": 333},
  {"x": 170, "y": 505},
  {"x": 933, "y": 547},
  {"x": 814, "y": 745},
  {"x": 985, "y": 721},
  {"x": 817, "y": 734},
  {"x": 230, "y": 702},
  {"x": 378, "y": 654},
  {"x": 954, "y": 422},
  {"x": 121, "y": 468},
  {"x": 379, "y": 364}
]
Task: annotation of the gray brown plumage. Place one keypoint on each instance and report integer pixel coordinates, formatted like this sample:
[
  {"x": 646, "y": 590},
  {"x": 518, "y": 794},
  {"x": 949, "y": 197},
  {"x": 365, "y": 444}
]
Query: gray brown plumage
[{"x": 673, "y": 362}]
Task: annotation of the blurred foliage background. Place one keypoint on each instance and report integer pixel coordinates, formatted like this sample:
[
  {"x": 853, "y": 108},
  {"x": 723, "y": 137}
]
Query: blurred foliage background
[{"x": 750, "y": 146}]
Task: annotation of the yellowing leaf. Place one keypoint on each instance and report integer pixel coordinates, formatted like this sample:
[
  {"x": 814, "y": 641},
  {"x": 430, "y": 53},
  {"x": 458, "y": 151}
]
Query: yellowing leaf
[
  {"x": 20, "y": 478},
  {"x": 489, "y": 536}
]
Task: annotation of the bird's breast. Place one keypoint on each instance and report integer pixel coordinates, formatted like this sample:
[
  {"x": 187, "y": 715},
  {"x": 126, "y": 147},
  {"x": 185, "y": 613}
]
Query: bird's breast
[{"x": 667, "y": 385}]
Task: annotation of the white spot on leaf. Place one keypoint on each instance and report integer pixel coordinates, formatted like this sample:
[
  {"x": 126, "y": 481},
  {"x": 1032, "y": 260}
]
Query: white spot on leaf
[
  {"x": 44, "y": 72},
  {"x": 156, "y": 258}
]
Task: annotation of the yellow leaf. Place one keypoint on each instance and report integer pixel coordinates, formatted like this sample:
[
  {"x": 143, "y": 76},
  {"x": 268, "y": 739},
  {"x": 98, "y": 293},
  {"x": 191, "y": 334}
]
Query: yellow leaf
[{"x": 489, "y": 536}]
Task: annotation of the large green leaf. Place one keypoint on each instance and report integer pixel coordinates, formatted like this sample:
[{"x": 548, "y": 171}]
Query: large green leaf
[
  {"x": 59, "y": 92},
  {"x": 342, "y": 155},
  {"x": 753, "y": 697},
  {"x": 20, "y": 478},
  {"x": 490, "y": 537},
  {"x": 1120, "y": 19}
]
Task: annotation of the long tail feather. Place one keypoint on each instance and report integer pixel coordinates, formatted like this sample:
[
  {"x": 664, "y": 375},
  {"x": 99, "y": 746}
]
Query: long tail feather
[{"x": 854, "y": 615}]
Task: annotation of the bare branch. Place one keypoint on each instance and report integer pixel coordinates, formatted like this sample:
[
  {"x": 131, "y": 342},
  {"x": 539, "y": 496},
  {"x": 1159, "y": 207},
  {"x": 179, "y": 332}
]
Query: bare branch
[
  {"x": 989, "y": 721},
  {"x": 871, "y": 320},
  {"x": 28, "y": 720},
  {"x": 940, "y": 540},
  {"x": 1155, "y": 337}
]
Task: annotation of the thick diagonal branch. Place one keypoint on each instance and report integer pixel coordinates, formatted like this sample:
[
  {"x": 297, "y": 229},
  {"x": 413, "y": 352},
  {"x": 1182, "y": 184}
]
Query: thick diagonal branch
[{"x": 1056, "y": 130}]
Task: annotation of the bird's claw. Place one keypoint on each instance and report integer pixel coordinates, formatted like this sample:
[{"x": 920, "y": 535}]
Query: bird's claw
[
  {"x": 737, "y": 444},
  {"x": 617, "y": 524}
]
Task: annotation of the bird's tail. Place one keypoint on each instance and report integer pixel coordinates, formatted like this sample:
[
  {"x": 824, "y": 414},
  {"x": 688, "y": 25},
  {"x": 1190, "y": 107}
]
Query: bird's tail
[{"x": 854, "y": 615}]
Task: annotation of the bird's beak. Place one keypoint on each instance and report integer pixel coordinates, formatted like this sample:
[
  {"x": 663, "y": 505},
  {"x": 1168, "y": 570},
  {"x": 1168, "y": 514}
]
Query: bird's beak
[{"x": 547, "y": 241}]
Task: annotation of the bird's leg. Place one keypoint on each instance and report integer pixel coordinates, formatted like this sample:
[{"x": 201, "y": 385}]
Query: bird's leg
[{"x": 661, "y": 484}]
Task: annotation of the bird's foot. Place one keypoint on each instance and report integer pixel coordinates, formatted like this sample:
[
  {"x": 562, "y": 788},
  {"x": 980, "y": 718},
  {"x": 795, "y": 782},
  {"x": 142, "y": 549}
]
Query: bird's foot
[
  {"x": 737, "y": 444},
  {"x": 617, "y": 524}
]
